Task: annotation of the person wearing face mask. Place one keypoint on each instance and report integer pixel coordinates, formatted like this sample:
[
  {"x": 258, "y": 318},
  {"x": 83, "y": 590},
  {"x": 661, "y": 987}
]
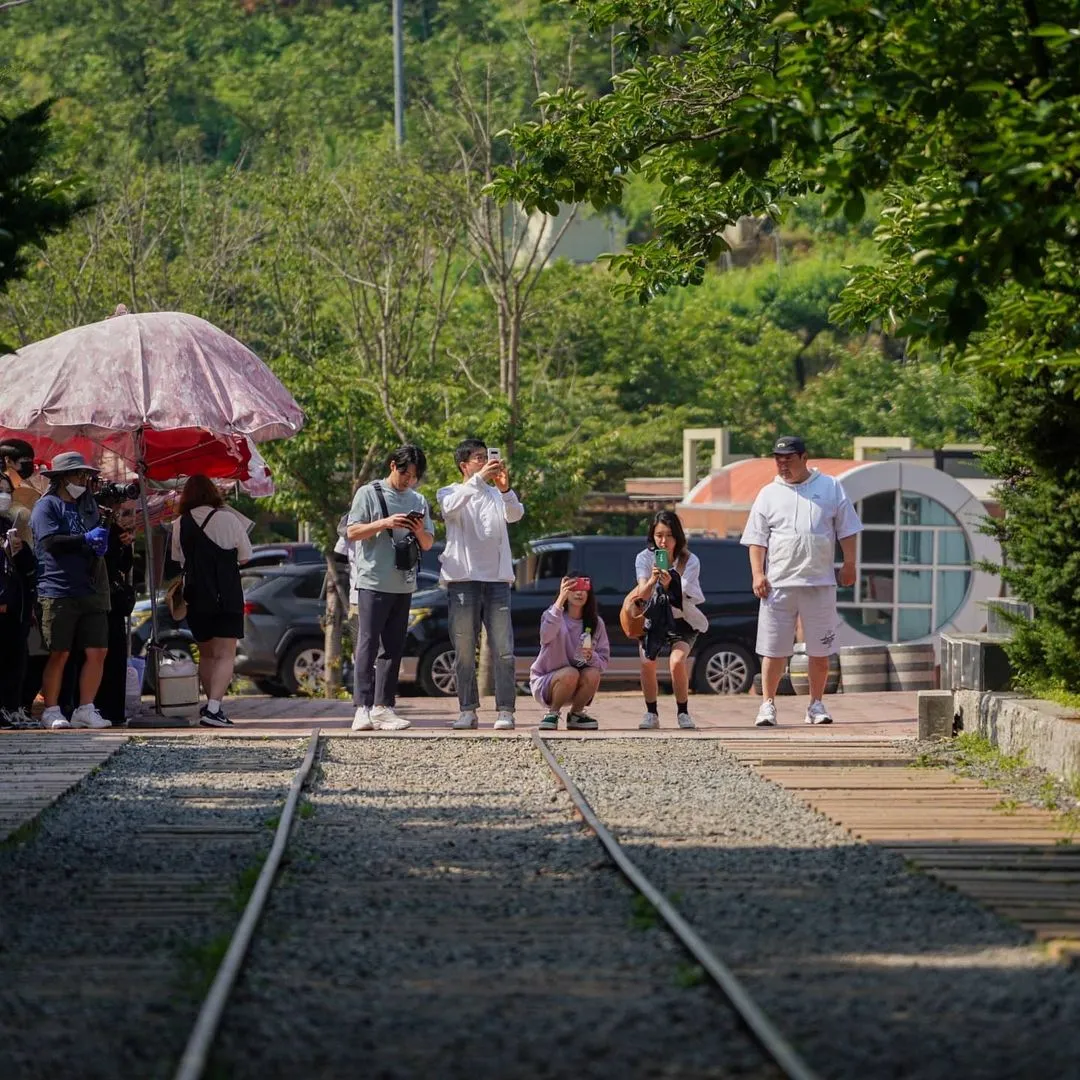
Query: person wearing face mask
[
  {"x": 18, "y": 570},
  {"x": 389, "y": 525},
  {"x": 17, "y": 461},
  {"x": 73, "y": 587}
]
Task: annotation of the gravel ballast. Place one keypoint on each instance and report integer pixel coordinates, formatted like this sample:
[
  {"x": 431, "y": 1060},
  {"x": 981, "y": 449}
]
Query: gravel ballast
[
  {"x": 444, "y": 916},
  {"x": 872, "y": 970},
  {"x": 115, "y": 910}
]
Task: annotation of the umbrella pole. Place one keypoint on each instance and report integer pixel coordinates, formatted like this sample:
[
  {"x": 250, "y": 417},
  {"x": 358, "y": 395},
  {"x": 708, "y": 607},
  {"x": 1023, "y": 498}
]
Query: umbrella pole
[{"x": 153, "y": 650}]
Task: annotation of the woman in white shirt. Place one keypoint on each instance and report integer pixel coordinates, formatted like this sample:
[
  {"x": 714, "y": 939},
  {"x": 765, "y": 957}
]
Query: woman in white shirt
[
  {"x": 682, "y": 584},
  {"x": 210, "y": 542}
]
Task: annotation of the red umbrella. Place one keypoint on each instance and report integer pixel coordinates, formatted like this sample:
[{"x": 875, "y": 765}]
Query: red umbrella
[{"x": 162, "y": 394}]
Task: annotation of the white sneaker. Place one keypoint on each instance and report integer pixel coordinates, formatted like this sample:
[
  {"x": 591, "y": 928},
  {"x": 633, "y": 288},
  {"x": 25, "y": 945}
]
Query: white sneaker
[
  {"x": 87, "y": 716},
  {"x": 385, "y": 719},
  {"x": 53, "y": 719},
  {"x": 465, "y": 721},
  {"x": 686, "y": 721},
  {"x": 361, "y": 720},
  {"x": 816, "y": 713},
  {"x": 766, "y": 715},
  {"x": 504, "y": 721},
  {"x": 649, "y": 721}
]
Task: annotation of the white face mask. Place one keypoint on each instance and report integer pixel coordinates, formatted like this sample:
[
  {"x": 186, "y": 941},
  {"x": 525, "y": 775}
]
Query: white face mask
[
  {"x": 5, "y": 502},
  {"x": 76, "y": 491}
]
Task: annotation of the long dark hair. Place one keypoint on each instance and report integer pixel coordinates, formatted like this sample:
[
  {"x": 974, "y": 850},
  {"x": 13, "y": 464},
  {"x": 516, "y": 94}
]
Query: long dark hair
[
  {"x": 671, "y": 520},
  {"x": 590, "y": 611}
]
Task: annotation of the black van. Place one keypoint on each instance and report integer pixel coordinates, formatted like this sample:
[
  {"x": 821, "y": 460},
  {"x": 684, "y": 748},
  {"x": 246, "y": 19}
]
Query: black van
[{"x": 723, "y": 660}]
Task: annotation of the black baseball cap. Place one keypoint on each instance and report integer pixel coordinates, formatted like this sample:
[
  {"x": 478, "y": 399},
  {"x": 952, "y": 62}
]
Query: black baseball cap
[{"x": 789, "y": 444}]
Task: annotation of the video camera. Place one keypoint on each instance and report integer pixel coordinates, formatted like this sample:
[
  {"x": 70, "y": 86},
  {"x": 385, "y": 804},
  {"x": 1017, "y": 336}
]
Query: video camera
[{"x": 109, "y": 493}]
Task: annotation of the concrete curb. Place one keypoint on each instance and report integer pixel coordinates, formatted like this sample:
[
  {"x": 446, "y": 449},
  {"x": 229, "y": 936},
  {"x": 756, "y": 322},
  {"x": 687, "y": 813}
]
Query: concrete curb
[{"x": 1047, "y": 734}]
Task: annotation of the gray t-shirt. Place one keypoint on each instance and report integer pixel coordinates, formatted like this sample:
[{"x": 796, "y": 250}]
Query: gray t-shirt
[{"x": 373, "y": 558}]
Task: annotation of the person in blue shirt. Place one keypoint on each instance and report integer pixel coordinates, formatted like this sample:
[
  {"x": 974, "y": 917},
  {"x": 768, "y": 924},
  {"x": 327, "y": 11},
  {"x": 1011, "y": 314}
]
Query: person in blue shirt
[{"x": 73, "y": 586}]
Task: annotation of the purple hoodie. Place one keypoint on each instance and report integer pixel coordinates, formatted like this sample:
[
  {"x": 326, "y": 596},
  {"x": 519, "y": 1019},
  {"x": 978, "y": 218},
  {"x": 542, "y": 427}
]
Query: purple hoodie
[{"x": 560, "y": 642}]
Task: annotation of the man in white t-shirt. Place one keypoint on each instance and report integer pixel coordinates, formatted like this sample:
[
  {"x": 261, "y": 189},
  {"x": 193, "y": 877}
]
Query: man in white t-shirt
[{"x": 792, "y": 533}]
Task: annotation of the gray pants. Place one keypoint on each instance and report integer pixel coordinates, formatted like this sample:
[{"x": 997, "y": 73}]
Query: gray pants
[
  {"x": 473, "y": 603},
  {"x": 381, "y": 626}
]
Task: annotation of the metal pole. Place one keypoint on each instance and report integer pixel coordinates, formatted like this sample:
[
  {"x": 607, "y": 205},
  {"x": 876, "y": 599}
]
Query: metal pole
[
  {"x": 399, "y": 74},
  {"x": 152, "y": 650}
]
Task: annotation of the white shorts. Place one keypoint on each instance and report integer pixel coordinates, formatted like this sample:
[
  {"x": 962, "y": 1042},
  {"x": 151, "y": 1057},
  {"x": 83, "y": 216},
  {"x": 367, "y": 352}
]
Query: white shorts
[{"x": 813, "y": 605}]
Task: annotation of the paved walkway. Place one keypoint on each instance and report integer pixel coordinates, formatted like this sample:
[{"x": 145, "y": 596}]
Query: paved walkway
[{"x": 882, "y": 716}]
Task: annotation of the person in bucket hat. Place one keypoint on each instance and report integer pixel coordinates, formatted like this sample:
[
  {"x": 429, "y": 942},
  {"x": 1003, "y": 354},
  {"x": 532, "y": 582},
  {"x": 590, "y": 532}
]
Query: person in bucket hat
[{"x": 73, "y": 586}]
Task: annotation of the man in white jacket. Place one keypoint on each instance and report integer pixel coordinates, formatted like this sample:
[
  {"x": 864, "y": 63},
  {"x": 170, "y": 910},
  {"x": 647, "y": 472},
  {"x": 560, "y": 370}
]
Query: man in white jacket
[
  {"x": 792, "y": 533},
  {"x": 477, "y": 571}
]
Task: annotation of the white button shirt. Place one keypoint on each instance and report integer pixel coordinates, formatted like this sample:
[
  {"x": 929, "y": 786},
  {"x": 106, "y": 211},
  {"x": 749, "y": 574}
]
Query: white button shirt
[{"x": 477, "y": 544}]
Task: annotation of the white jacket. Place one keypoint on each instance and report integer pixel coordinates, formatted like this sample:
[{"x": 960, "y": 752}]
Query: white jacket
[
  {"x": 477, "y": 544},
  {"x": 799, "y": 524},
  {"x": 690, "y": 578}
]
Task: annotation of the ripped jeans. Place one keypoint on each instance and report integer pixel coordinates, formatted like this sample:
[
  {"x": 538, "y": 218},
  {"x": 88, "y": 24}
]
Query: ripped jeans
[{"x": 473, "y": 603}]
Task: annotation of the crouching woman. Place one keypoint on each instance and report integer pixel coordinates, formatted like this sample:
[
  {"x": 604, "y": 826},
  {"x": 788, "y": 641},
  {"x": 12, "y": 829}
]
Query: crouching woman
[{"x": 574, "y": 652}]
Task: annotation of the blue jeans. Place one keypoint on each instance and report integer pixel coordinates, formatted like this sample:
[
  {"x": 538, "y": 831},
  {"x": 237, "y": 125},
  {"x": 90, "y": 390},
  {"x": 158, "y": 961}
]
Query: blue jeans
[{"x": 473, "y": 603}]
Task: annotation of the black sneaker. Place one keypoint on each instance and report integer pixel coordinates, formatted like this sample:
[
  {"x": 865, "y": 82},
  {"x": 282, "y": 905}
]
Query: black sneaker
[
  {"x": 579, "y": 721},
  {"x": 6, "y": 720},
  {"x": 213, "y": 719},
  {"x": 550, "y": 722}
]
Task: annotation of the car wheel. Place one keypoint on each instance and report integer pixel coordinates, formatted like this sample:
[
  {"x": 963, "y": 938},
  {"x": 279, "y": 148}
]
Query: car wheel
[
  {"x": 268, "y": 686},
  {"x": 177, "y": 649},
  {"x": 301, "y": 670},
  {"x": 437, "y": 677},
  {"x": 722, "y": 668}
]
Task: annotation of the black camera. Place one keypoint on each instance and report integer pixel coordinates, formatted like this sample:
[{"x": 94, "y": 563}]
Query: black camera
[{"x": 109, "y": 493}]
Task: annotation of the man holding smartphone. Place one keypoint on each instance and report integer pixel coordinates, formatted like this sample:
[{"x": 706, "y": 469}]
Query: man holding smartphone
[
  {"x": 478, "y": 571},
  {"x": 386, "y": 517}
]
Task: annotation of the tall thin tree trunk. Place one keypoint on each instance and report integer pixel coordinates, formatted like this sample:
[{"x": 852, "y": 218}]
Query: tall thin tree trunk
[{"x": 335, "y": 621}]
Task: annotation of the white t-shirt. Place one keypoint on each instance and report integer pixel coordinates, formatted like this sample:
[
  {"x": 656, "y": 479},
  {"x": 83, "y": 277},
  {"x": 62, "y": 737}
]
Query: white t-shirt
[
  {"x": 226, "y": 529},
  {"x": 690, "y": 577},
  {"x": 477, "y": 543},
  {"x": 799, "y": 525}
]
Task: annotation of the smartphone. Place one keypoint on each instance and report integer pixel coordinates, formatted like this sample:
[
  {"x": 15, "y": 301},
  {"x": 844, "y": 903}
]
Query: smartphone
[
  {"x": 583, "y": 584},
  {"x": 416, "y": 515},
  {"x": 493, "y": 454},
  {"x": 661, "y": 560}
]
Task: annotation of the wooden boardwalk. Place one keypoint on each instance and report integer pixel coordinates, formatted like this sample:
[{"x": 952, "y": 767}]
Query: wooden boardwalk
[
  {"x": 37, "y": 767},
  {"x": 1015, "y": 859}
]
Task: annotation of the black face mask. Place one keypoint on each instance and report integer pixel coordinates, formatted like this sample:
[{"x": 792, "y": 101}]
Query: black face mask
[{"x": 25, "y": 469}]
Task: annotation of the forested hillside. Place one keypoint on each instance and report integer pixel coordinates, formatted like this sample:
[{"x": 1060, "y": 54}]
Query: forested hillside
[{"x": 241, "y": 161}]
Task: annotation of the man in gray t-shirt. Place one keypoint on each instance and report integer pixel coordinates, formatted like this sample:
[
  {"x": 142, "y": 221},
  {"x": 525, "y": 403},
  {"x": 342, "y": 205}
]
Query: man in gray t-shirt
[{"x": 383, "y": 592}]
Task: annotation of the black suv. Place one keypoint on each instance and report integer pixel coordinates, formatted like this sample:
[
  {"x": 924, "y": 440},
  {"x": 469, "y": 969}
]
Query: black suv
[{"x": 723, "y": 660}]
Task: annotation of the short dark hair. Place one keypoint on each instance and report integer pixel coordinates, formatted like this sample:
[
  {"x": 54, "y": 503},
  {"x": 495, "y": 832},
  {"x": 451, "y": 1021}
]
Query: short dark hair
[
  {"x": 16, "y": 448},
  {"x": 465, "y": 450},
  {"x": 5, "y": 482},
  {"x": 407, "y": 455},
  {"x": 199, "y": 491},
  {"x": 671, "y": 520}
]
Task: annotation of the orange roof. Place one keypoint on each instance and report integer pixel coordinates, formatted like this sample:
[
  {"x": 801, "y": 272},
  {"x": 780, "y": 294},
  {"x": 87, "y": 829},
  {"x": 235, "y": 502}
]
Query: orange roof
[{"x": 737, "y": 484}]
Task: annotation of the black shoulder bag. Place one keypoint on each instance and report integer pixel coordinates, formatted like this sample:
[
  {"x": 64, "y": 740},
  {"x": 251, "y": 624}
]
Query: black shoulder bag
[{"x": 407, "y": 549}]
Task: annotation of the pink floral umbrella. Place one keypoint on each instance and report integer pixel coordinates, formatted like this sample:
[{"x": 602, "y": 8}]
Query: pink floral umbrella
[{"x": 165, "y": 393}]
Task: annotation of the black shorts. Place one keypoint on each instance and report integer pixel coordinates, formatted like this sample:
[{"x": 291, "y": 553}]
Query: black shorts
[
  {"x": 683, "y": 632},
  {"x": 205, "y": 625}
]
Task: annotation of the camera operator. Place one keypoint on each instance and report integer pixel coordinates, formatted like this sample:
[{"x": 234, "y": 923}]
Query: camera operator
[
  {"x": 18, "y": 571},
  {"x": 73, "y": 587},
  {"x": 111, "y": 697}
]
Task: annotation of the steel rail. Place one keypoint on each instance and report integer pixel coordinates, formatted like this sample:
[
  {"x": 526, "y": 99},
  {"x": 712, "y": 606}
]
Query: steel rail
[
  {"x": 764, "y": 1031},
  {"x": 193, "y": 1062}
]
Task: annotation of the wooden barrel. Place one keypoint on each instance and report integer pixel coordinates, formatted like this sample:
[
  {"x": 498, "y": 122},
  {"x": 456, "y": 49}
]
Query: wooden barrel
[
  {"x": 799, "y": 671},
  {"x": 783, "y": 690},
  {"x": 864, "y": 668},
  {"x": 911, "y": 666}
]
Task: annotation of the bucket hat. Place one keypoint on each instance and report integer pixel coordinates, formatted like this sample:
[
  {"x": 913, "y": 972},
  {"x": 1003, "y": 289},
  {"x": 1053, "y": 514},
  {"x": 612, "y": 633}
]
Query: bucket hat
[{"x": 68, "y": 462}]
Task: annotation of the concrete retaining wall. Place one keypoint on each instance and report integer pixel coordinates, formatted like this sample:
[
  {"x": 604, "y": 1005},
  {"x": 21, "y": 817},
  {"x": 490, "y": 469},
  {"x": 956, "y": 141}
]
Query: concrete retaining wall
[{"x": 1048, "y": 734}]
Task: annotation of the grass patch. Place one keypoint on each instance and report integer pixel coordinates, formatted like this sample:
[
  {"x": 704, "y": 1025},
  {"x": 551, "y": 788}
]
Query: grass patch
[
  {"x": 643, "y": 916},
  {"x": 199, "y": 963},
  {"x": 978, "y": 750},
  {"x": 1007, "y": 806},
  {"x": 307, "y": 810},
  {"x": 688, "y": 976},
  {"x": 1054, "y": 692},
  {"x": 245, "y": 886},
  {"x": 22, "y": 834}
]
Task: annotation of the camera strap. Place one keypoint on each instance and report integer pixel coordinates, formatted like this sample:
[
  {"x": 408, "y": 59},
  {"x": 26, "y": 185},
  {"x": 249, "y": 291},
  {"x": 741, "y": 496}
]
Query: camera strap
[{"x": 382, "y": 503}]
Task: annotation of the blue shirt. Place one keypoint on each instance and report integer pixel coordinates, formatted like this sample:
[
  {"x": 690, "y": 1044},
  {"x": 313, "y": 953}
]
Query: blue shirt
[{"x": 68, "y": 573}]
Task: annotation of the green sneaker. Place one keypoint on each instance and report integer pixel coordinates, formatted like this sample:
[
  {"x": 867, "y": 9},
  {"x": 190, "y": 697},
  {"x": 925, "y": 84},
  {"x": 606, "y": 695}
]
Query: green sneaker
[
  {"x": 550, "y": 722},
  {"x": 579, "y": 721}
]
